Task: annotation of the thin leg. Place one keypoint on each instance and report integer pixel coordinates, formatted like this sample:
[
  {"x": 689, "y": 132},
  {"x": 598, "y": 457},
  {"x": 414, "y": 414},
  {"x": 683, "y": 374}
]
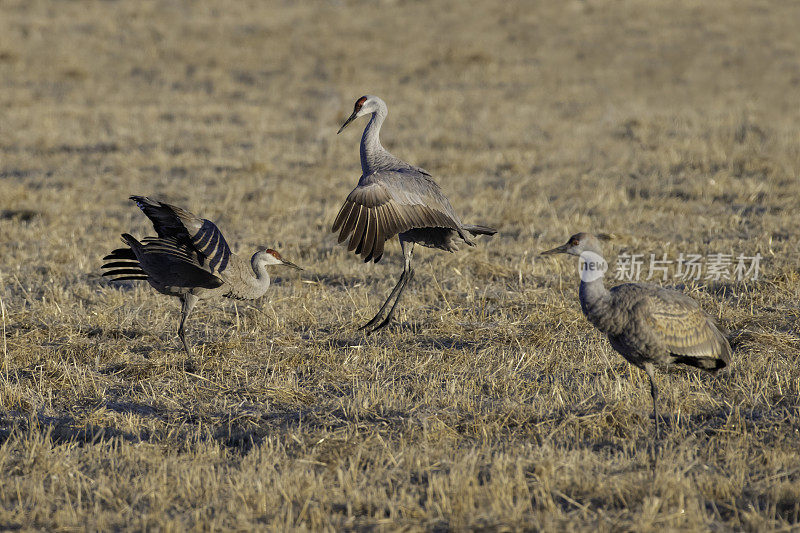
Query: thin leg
[
  {"x": 187, "y": 303},
  {"x": 397, "y": 292},
  {"x": 648, "y": 367},
  {"x": 409, "y": 277},
  {"x": 397, "y": 288}
]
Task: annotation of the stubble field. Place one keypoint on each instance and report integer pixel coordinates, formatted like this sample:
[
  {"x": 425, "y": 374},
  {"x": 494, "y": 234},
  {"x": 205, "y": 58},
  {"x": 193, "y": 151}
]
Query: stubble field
[{"x": 491, "y": 403}]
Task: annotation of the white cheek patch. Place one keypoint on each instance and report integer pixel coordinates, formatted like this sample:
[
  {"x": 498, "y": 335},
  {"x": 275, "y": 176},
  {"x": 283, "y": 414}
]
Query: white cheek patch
[{"x": 592, "y": 266}]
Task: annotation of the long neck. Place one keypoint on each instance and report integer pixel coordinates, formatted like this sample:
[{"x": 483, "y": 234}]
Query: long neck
[
  {"x": 596, "y": 302},
  {"x": 372, "y": 153},
  {"x": 594, "y": 297},
  {"x": 260, "y": 272}
]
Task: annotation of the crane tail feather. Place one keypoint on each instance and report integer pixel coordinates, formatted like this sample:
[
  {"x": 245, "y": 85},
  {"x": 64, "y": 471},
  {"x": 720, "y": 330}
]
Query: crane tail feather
[{"x": 479, "y": 230}]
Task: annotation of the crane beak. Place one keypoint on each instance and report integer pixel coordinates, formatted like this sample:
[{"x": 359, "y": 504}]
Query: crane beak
[
  {"x": 290, "y": 264},
  {"x": 348, "y": 121},
  {"x": 557, "y": 250}
]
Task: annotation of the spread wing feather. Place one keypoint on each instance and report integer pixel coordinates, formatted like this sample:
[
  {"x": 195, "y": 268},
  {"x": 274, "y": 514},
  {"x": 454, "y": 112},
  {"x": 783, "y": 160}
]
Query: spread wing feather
[
  {"x": 386, "y": 203},
  {"x": 350, "y": 223},
  {"x": 172, "y": 222},
  {"x": 121, "y": 264},
  {"x": 164, "y": 261},
  {"x": 344, "y": 213},
  {"x": 358, "y": 231},
  {"x": 171, "y": 263}
]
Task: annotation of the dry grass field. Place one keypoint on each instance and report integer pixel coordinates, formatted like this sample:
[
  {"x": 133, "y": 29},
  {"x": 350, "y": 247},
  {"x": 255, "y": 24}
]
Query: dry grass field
[{"x": 491, "y": 402}]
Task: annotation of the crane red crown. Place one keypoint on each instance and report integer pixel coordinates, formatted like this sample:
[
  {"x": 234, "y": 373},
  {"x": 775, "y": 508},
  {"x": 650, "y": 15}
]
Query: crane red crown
[{"x": 360, "y": 102}]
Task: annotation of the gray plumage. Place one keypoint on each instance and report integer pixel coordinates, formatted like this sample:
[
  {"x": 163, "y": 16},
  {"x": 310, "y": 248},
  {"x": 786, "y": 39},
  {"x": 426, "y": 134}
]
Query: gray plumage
[
  {"x": 395, "y": 198},
  {"x": 647, "y": 324},
  {"x": 189, "y": 259}
]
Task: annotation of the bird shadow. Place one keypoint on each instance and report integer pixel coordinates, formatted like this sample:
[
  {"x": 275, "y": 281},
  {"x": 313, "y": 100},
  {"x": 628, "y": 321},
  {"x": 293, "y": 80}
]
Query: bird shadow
[
  {"x": 116, "y": 333},
  {"x": 445, "y": 343},
  {"x": 336, "y": 280},
  {"x": 718, "y": 289},
  {"x": 344, "y": 342},
  {"x": 140, "y": 409},
  {"x": 61, "y": 429},
  {"x": 311, "y": 419},
  {"x": 125, "y": 285},
  {"x": 386, "y": 337},
  {"x": 19, "y": 215}
]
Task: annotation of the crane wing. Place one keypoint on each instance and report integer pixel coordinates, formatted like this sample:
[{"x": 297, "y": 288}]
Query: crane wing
[
  {"x": 386, "y": 203},
  {"x": 204, "y": 236},
  {"x": 685, "y": 329},
  {"x": 164, "y": 261},
  {"x": 170, "y": 263}
]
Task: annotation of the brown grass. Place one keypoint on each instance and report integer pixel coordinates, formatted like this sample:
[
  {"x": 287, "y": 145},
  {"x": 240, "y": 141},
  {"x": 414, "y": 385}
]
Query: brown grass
[{"x": 492, "y": 403}]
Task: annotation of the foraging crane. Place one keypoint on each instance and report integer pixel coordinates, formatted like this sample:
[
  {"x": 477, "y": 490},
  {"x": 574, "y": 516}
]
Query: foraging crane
[
  {"x": 395, "y": 198},
  {"x": 647, "y": 324},
  {"x": 189, "y": 259}
]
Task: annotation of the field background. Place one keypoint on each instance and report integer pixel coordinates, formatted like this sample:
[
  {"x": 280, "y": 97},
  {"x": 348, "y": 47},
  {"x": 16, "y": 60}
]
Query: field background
[{"x": 492, "y": 402}]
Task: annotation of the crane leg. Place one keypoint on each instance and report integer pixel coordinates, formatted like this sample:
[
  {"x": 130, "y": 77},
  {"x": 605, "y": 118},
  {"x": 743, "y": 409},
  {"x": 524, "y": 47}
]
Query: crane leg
[
  {"x": 648, "y": 367},
  {"x": 409, "y": 276},
  {"x": 187, "y": 303},
  {"x": 397, "y": 292},
  {"x": 397, "y": 288}
]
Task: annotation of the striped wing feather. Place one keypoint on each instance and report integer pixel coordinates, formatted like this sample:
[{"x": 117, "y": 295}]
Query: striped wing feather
[
  {"x": 121, "y": 265},
  {"x": 164, "y": 261},
  {"x": 171, "y": 221},
  {"x": 170, "y": 263},
  {"x": 387, "y": 203}
]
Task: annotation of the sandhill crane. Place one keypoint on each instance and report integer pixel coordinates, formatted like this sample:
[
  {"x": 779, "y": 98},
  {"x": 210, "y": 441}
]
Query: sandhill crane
[
  {"x": 647, "y": 324},
  {"x": 395, "y": 198},
  {"x": 189, "y": 259}
]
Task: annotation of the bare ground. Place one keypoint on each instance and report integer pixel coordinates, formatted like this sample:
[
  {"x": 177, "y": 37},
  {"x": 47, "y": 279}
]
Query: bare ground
[{"x": 492, "y": 403}]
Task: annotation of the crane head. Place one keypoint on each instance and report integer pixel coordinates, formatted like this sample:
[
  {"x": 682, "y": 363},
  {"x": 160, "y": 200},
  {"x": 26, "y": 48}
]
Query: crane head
[
  {"x": 365, "y": 105},
  {"x": 271, "y": 257},
  {"x": 578, "y": 243}
]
